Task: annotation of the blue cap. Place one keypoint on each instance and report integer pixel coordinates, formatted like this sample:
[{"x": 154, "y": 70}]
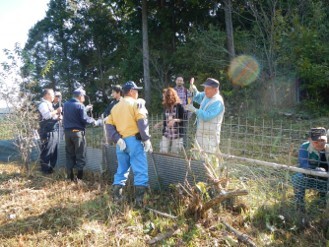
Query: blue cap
[
  {"x": 130, "y": 85},
  {"x": 79, "y": 92},
  {"x": 211, "y": 82}
]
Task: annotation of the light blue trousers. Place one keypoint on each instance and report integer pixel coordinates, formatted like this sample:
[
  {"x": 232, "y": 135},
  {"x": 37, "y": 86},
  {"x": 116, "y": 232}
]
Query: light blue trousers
[{"x": 135, "y": 157}]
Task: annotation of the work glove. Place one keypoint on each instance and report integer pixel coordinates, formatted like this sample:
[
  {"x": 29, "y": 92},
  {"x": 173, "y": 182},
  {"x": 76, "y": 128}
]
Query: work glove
[
  {"x": 190, "y": 108},
  {"x": 148, "y": 146},
  {"x": 320, "y": 169},
  {"x": 141, "y": 106},
  {"x": 98, "y": 122},
  {"x": 122, "y": 145},
  {"x": 89, "y": 107}
]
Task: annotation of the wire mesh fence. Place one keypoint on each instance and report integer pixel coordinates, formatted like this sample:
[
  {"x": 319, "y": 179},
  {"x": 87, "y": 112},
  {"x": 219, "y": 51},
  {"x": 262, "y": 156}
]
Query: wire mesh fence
[{"x": 251, "y": 148}]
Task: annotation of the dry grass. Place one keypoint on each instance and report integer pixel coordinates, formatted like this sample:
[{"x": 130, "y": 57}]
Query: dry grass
[{"x": 50, "y": 211}]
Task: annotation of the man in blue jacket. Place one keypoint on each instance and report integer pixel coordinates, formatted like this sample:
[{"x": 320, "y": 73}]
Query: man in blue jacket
[
  {"x": 75, "y": 121},
  {"x": 313, "y": 154}
]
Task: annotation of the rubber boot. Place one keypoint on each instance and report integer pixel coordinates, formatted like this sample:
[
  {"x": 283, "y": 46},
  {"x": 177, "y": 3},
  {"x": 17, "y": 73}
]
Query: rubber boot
[
  {"x": 80, "y": 174},
  {"x": 70, "y": 174},
  {"x": 117, "y": 193},
  {"x": 139, "y": 196}
]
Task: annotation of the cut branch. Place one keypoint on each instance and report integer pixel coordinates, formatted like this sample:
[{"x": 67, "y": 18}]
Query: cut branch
[
  {"x": 163, "y": 236},
  {"x": 241, "y": 236},
  {"x": 223, "y": 197},
  {"x": 162, "y": 213}
]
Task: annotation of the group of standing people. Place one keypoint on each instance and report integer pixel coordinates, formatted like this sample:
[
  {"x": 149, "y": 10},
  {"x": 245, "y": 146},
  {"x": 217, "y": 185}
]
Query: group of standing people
[
  {"x": 178, "y": 107},
  {"x": 72, "y": 116},
  {"x": 127, "y": 125}
]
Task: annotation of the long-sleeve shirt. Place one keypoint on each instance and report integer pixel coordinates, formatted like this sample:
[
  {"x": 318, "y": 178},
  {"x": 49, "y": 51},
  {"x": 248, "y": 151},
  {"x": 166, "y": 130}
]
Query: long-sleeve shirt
[
  {"x": 47, "y": 121},
  {"x": 127, "y": 118},
  {"x": 75, "y": 115},
  {"x": 46, "y": 108},
  {"x": 310, "y": 158},
  {"x": 212, "y": 110},
  {"x": 110, "y": 106},
  {"x": 178, "y": 129}
]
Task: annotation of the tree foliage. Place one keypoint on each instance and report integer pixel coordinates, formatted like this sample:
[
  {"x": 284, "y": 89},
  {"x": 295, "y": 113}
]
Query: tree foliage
[{"x": 96, "y": 43}]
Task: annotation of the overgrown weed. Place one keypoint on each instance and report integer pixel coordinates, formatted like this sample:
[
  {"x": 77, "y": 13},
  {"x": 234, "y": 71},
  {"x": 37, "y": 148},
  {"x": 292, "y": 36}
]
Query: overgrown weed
[{"x": 51, "y": 211}]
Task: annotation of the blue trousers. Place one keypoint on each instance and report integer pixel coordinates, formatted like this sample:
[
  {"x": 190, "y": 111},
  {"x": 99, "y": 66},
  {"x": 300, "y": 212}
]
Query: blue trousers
[
  {"x": 133, "y": 157},
  {"x": 301, "y": 182}
]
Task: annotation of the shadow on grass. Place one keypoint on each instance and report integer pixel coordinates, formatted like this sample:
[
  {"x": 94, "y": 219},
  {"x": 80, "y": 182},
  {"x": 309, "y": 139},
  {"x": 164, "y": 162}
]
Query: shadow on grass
[
  {"x": 290, "y": 227},
  {"x": 5, "y": 177},
  {"x": 57, "y": 219}
]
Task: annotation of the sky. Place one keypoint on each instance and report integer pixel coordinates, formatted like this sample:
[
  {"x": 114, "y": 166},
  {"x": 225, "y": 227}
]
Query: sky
[{"x": 16, "y": 18}]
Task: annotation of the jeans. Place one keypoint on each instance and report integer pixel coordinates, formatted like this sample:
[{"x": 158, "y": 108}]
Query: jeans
[
  {"x": 176, "y": 145},
  {"x": 301, "y": 182},
  {"x": 133, "y": 157}
]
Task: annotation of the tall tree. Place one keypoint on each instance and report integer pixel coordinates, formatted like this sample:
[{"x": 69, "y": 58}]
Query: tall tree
[
  {"x": 229, "y": 28},
  {"x": 146, "y": 57}
]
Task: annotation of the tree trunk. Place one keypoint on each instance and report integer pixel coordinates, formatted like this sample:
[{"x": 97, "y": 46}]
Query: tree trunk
[
  {"x": 146, "y": 57},
  {"x": 229, "y": 28}
]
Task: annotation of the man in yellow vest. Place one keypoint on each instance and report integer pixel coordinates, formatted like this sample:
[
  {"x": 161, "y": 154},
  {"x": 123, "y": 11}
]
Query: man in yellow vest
[{"x": 127, "y": 126}]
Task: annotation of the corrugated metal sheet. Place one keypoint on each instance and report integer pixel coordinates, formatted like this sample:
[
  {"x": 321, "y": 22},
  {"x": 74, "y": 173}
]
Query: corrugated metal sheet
[{"x": 164, "y": 169}]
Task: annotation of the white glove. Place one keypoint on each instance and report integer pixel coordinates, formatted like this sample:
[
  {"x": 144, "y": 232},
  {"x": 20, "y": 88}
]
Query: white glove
[
  {"x": 98, "y": 122},
  {"x": 190, "y": 108},
  {"x": 141, "y": 102},
  {"x": 320, "y": 169},
  {"x": 122, "y": 145},
  {"x": 141, "y": 106},
  {"x": 148, "y": 146},
  {"x": 89, "y": 107}
]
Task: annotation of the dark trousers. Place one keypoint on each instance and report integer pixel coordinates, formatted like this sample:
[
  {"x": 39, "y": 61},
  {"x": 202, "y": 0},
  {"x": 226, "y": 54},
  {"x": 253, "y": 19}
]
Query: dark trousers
[
  {"x": 75, "y": 150},
  {"x": 48, "y": 155}
]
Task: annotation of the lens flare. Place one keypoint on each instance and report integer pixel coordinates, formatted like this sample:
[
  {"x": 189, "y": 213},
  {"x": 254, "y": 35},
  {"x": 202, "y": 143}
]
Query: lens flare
[{"x": 243, "y": 70}]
